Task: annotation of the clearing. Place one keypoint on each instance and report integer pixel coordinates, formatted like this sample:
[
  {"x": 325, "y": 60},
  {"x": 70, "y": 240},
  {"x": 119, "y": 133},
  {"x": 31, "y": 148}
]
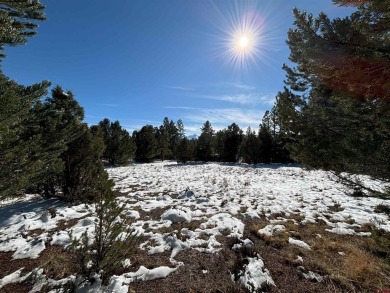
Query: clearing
[{"x": 210, "y": 228}]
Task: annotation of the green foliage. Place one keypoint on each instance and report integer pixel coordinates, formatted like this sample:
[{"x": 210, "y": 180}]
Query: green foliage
[
  {"x": 113, "y": 240},
  {"x": 250, "y": 147},
  {"x": 83, "y": 172},
  {"x": 185, "y": 150},
  {"x": 146, "y": 142},
  {"x": 171, "y": 130},
  {"x": 180, "y": 129},
  {"x": 120, "y": 147},
  {"x": 18, "y": 21},
  {"x": 219, "y": 144},
  {"x": 58, "y": 121},
  {"x": 22, "y": 159},
  {"x": 266, "y": 143},
  {"x": 163, "y": 142},
  {"x": 233, "y": 137},
  {"x": 335, "y": 113},
  {"x": 205, "y": 145}
]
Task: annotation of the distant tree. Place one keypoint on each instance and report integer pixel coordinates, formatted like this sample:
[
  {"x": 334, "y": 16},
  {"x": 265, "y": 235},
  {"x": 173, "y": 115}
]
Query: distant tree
[
  {"x": 250, "y": 148},
  {"x": 220, "y": 144},
  {"x": 163, "y": 142},
  {"x": 266, "y": 143},
  {"x": 205, "y": 144},
  {"x": 185, "y": 150},
  {"x": 120, "y": 147},
  {"x": 171, "y": 129},
  {"x": 147, "y": 146},
  {"x": 180, "y": 129},
  {"x": 232, "y": 141}
]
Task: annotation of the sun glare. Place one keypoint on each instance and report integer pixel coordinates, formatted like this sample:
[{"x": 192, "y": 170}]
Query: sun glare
[
  {"x": 244, "y": 34},
  {"x": 243, "y": 42},
  {"x": 242, "y": 47}
]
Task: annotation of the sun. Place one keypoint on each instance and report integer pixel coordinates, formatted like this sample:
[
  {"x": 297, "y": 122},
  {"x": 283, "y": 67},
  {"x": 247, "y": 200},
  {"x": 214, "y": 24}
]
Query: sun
[
  {"x": 243, "y": 42},
  {"x": 245, "y": 34},
  {"x": 242, "y": 47}
]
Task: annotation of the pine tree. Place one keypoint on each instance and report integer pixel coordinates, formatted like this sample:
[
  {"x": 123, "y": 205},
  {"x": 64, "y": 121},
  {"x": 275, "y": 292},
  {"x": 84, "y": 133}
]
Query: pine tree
[
  {"x": 18, "y": 21},
  {"x": 113, "y": 240},
  {"x": 219, "y": 144},
  {"x": 22, "y": 160},
  {"x": 59, "y": 124},
  {"x": 266, "y": 142},
  {"x": 120, "y": 147},
  {"x": 250, "y": 148},
  {"x": 172, "y": 131},
  {"x": 205, "y": 144},
  {"x": 146, "y": 142},
  {"x": 185, "y": 150},
  {"x": 83, "y": 168},
  {"x": 337, "y": 107},
  {"x": 163, "y": 142},
  {"x": 232, "y": 140},
  {"x": 180, "y": 129},
  {"x": 18, "y": 163}
]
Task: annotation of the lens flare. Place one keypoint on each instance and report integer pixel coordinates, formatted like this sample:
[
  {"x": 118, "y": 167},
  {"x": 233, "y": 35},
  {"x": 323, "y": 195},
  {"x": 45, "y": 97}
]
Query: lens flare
[
  {"x": 243, "y": 47},
  {"x": 247, "y": 33},
  {"x": 243, "y": 42}
]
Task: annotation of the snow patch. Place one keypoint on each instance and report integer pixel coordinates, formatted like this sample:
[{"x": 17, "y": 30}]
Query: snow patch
[
  {"x": 132, "y": 214},
  {"x": 299, "y": 243},
  {"x": 223, "y": 223},
  {"x": 176, "y": 216},
  {"x": 269, "y": 230},
  {"x": 119, "y": 284},
  {"x": 11, "y": 278},
  {"x": 255, "y": 276}
]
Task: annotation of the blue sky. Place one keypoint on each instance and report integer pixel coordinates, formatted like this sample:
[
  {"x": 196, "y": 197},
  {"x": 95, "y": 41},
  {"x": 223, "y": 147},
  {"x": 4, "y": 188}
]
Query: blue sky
[{"x": 138, "y": 61}]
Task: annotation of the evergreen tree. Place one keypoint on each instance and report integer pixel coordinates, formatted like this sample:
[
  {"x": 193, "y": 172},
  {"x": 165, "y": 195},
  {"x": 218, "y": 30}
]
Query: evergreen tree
[
  {"x": 250, "y": 147},
  {"x": 19, "y": 165},
  {"x": 185, "y": 150},
  {"x": 120, "y": 147},
  {"x": 163, "y": 142},
  {"x": 84, "y": 171},
  {"x": 22, "y": 159},
  {"x": 232, "y": 140},
  {"x": 266, "y": 142},
  {"x": 18, "y": 21},
  {"x": 180, "y": 129},
  {"x": 205, "y": 144},
  {"x": 146, "y": 142},
  {"x": 60, "y": 124},
  {"x": 172, "y": 131},
  {"x": 113, "y": 240},
  {"x": 78, "y": 167},
  {"x": 336, "y": 110},
  {"x": 219, "y": 144}
]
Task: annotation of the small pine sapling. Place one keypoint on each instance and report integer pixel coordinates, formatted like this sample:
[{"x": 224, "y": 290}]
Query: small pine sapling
[{"x": 113, "y": 239}]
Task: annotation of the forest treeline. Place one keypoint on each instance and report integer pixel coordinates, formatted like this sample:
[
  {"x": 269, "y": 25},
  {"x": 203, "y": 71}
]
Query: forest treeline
[
  {"x": 333, "y": 114},
  {"x": 169, "y": 142}
]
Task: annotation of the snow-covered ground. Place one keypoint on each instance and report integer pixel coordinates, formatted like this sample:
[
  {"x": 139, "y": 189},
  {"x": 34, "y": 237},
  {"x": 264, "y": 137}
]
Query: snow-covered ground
[{"x": 217, "y": 196}]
